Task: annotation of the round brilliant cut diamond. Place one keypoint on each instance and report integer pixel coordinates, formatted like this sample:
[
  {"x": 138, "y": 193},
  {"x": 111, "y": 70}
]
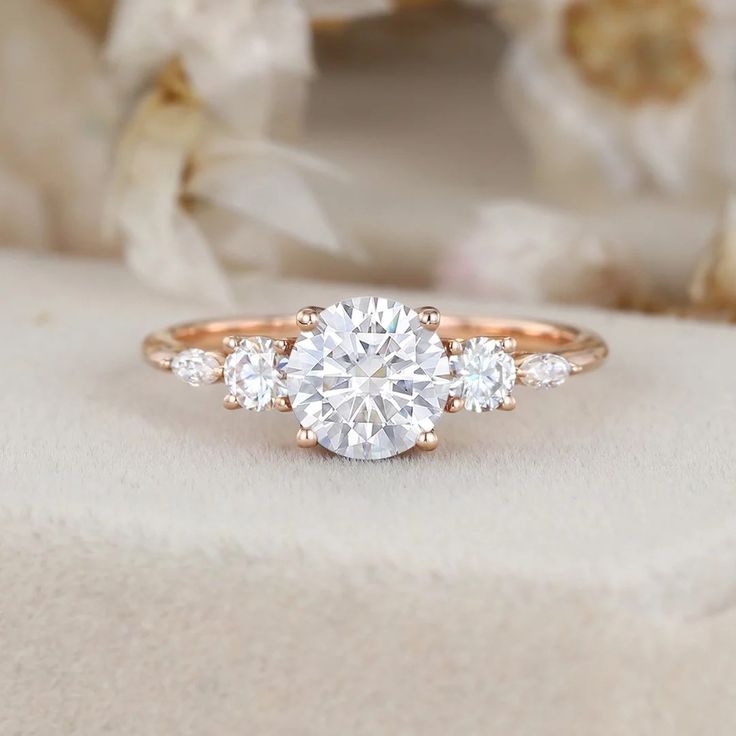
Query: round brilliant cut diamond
[
  {"x": 484, "y": 374},
  {"x": 368, "y": 379},
  {"x": 254, "y": 373}
]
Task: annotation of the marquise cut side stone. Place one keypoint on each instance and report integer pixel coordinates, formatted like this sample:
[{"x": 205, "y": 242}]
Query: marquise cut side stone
[
  {"x": 196, "y": 367},
  {"x": 484, "y": 374},
  {"x": 254, "y": 373},
  {"x": 544, "y": 370}
]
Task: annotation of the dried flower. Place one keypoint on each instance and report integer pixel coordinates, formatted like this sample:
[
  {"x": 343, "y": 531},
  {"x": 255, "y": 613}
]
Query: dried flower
[
  {"x": 95, "y": 15},
  {"x": 623, "y": 94},
  {"x": 24, "y": 219},
  {"x": 636, "y": 50},
  {"x": 714, "y": 284},
  {"x": 518, "y": 252},
  {"x": 58, "y": 120},
  {"x": 199, "y": 182},
  {"x": 246, "y": 59},
  {"x": 189, "y": 190},
  {"x": 336, "y": 11}
]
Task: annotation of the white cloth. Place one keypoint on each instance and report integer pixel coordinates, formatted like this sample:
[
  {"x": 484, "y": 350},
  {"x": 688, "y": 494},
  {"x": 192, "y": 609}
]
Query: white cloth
[{"x": 167, "y": 567}]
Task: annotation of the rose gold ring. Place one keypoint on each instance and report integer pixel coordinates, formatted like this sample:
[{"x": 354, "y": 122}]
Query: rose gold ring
[{"x": 368, "y": 378}]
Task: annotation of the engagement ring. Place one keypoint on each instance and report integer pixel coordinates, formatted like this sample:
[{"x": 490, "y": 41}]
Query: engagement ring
[{"x": 369, "y": 378}]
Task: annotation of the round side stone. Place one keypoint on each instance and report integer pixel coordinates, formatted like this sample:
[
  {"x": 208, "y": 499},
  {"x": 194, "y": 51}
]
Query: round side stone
[
  {"x": 254, "y": 373},
  {"x": 484, "y": 374}
]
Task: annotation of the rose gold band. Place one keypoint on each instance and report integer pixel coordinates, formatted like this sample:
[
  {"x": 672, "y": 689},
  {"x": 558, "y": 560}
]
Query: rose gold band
[{"x": 584, "y": 350}]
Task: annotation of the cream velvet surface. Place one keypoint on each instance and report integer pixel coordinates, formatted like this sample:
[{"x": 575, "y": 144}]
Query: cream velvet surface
[{"x": 170, "y": 568}]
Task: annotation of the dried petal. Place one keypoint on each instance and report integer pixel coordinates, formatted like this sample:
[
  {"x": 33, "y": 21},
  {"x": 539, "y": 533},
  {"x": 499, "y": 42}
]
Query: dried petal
[
  {"x": 163, "y": 244},
  {"x": 268, "y": 191},
  {"x": 714, "y": 284}
]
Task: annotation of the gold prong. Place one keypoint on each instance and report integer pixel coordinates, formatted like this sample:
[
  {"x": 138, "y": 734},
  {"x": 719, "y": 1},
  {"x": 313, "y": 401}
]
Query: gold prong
[
  {"x": 508, "y": 403},
  {"x": 306, "y": 318},
  {"x": 230, "y": 402},
  {"x": 454, "y": 404},
  {"x": 220, "y": 357},
  {"x": 164, "y": 364},
  {"x": 282, "y": 403},
  {"x": 429, "y": 317},
  {"x": 283, "y": 346},
  {"x": 230, "y": 342},
  {"x": 575, "y": 368},
  {"x": 306, "y": 438},
  {"x": 428, "y": 441},
  {"x": 509, "y": 344},
  {"x": 454, "y": 347}
]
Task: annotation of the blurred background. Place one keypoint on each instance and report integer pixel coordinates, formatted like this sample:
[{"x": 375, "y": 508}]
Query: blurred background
[{"x": 571, "y": 151}]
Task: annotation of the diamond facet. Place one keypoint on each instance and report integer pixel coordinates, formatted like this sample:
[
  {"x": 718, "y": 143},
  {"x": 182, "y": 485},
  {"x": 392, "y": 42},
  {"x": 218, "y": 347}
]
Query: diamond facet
[
  {"x": 368, "y": 379},
  {"x": 484, "y": 374},
  {"x": 196, "y": 367},
  {"x": 544, "y": 370},
  {"x": 254, "y": 373}
]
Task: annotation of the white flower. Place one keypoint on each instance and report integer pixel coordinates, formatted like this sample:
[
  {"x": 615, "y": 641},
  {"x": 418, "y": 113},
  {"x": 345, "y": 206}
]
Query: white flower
[
  {"x": 346, "y": 9},
  {"x": 664, "y": 110},
  {"x": 244, "y": 58},
  {"x": 517, "y": 252},
  {"x": 58, "y": 118},
  {"x": 191, "y": 195},
  {"x": 200, "y": 185},
  {"x": 24, "y": 218},
  {"x": 714, "y": 283}
]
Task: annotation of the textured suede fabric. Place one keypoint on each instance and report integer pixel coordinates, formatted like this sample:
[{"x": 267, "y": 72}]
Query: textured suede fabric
[{"x": 167, "y": 567}]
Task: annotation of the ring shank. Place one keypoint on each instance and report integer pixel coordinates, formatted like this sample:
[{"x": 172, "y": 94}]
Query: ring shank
[{"x": 583, "y": 349}]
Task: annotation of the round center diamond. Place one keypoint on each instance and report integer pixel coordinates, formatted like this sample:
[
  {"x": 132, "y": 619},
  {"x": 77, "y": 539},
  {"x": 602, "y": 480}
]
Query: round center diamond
[{"x": 369, "y": 379}]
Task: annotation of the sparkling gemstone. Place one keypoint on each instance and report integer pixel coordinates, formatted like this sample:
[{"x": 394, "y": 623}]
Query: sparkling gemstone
[
  {"x": 196, "y": 367},
  {"x": 484, "y": 374},
  {"x": 544, "y": 370},
  {"x": 369, "y": 379},
  {"x": 254, "y": 373}
]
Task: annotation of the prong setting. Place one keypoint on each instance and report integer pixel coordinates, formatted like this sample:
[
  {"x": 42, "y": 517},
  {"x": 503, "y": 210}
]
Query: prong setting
[
  {"x": 306, "y": 438},
  {"x": 508, "y": 403},
  {"x": 509, "y": 344},
  {"x": 428, "y": 441},
  {"x": 429, "y": 318},
  {"x": 454, "y": 404},
  {"x": 230, "y": 402},
  {"x": 283, "y": 346},
  {"x": 307, "y": 318},
  {"x": 282, "y": 403},
  {"x": 230, "y": 343},
  {"x": 454, "y": 347}
]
